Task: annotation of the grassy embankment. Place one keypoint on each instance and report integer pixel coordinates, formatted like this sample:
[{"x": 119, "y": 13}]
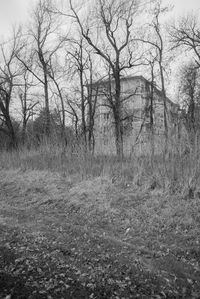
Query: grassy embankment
[{"x": 76, "y": 226}]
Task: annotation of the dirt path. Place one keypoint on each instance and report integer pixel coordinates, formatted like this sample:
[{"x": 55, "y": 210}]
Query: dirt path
[{"x": 59, "y": 245}]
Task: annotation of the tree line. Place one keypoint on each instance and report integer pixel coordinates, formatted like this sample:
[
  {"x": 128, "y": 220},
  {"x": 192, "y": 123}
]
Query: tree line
[{"x": 52, "y": 66}]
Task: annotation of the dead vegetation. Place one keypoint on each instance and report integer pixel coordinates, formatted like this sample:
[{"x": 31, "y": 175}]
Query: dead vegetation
[{"x": 97, "y": 228}]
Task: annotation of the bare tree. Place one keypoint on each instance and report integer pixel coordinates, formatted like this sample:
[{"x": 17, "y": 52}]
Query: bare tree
[
  {"x": 189, "y": 94},
  {"x": 56, "y": 74},
  {"x": 77, "y": 61},
  {"x": 44, "y": 44},
  {"x": 151, "y": 61},
  {"x": 27, "y": 103},
  {"x": 92, "y": 96},
  {"x": 114, "y": 19},
  {"x": 80, "y": 62},
  {"x": 156, "y": 42},
  {"x": 9, "y": 74},
  {"x": 73, "y": 112},
  {"x": 186, "y": 35}
]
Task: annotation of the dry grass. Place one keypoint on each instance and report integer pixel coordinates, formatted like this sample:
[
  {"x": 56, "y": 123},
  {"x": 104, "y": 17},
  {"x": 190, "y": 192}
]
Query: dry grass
[
  {"x": 172, "y": 171},
  {"x": 143, "y": 204},
  {"x": 126, "y": 206},
  {"x": 144, "y": 193}
]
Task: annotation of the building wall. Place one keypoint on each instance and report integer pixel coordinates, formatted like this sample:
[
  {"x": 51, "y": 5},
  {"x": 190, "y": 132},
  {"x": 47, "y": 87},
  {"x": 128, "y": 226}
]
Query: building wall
[{"x": 136, "y": 134}]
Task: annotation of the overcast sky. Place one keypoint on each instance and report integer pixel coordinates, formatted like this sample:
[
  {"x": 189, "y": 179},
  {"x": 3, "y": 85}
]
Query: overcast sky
[
  {"x": 13, "y": 11},
  {"x": 183, "y": 6}
]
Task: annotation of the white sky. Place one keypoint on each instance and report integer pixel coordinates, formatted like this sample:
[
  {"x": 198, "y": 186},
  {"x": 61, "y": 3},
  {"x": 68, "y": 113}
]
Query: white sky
[
  {"x": 184, "y": 6},
  {"x": 13, "y": 11}
]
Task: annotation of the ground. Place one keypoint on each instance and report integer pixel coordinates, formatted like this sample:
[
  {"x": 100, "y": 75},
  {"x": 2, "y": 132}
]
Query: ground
[{"x": 62, "y": 237}]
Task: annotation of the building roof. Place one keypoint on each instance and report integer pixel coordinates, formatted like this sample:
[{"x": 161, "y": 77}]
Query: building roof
[{"x": 129, "y": 78}]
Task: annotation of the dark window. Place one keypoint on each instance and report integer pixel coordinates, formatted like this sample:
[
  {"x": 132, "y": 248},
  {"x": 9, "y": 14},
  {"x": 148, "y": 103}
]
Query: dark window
[
  {"x": 142, "y": 88},
  {"x": 105, "y": 141},
  {"x": 137, "y": 114},
  {"x": 105, "y": 129},
  {"x": 106, "y": 116},
  {"x": 147, "y": 127}
]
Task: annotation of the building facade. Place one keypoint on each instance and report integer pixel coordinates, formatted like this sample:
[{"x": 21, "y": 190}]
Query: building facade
[{"x": 142, "y": 113}]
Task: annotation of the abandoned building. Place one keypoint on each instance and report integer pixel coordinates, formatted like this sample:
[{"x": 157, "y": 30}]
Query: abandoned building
[{"x": 140, "y": 107}]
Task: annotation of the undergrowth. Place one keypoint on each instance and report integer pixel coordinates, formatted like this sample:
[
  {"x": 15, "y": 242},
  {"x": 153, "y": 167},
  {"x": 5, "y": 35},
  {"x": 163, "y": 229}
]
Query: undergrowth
[
  {"x": 141, "y": 211},
  {"x": 175, "y": 172}
]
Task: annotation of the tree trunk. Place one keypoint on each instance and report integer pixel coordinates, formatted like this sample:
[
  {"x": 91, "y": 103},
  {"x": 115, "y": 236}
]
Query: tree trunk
[
  {"x": 24, "y": 110},
  {"x": 118, "y": 133},
  {"x": 91, "y": 136},
  {"x": 165, "y": 109},
  {"x": 91, "y": 113},
  {"x": 191, "y": 120},
  {"x": 83, "y": 109},
  {"x": 151, "y": 116},
  {"x": 118, "y": 139},
  {"x": 13, "y": 139},
  {"x": 117, "y": 114},
  {"x": 24, "y": 130},
  {"x": 46, "y": 96},
  {"x": 64, "y": 137}
]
